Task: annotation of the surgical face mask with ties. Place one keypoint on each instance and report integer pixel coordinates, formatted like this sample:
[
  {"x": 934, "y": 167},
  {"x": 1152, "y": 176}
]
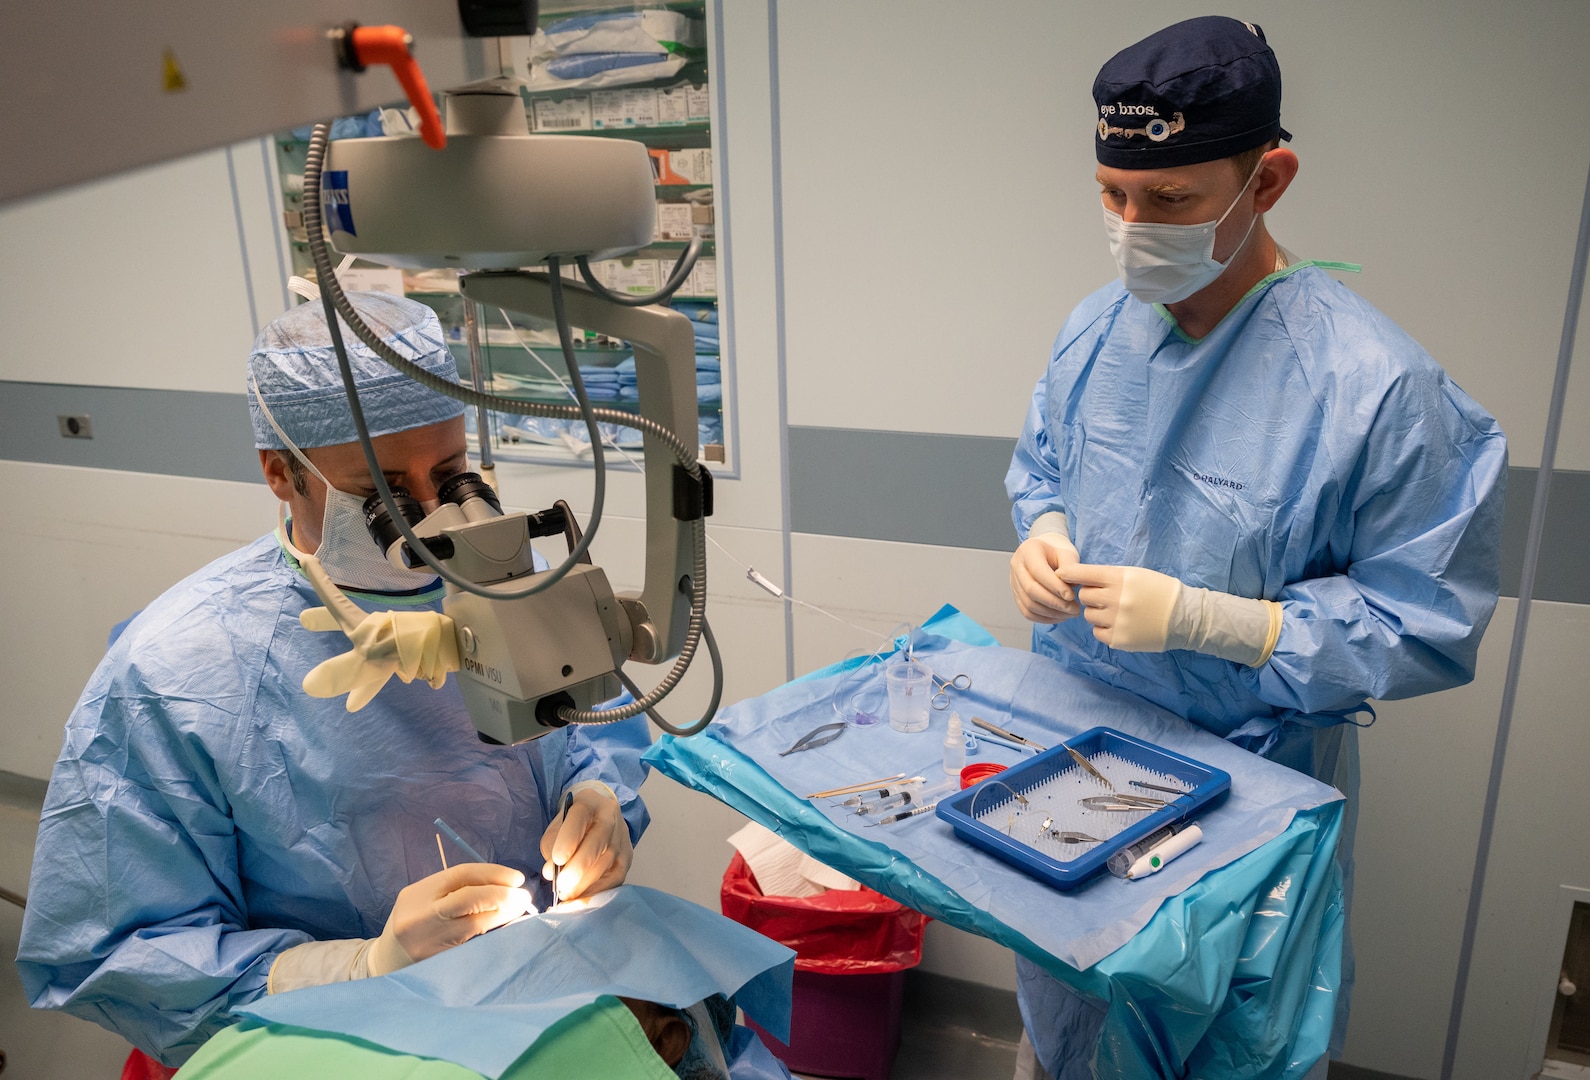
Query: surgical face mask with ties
[
  {"x": 347, "y": 551},
  {"x": 1164, "y": 264}
]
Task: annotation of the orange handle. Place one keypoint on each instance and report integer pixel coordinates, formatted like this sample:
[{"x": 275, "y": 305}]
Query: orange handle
[{"x": 390, "y": 45}]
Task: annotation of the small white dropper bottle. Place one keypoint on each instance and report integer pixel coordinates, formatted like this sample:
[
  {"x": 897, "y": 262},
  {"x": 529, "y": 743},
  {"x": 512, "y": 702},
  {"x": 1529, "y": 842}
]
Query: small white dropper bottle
[{"x": 954, "y": 747}]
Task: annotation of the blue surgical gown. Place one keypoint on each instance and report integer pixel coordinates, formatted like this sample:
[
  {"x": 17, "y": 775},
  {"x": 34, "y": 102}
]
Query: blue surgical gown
[
  {"x": 206, "y": 814},
  {"x": 1305, "y": 451}
]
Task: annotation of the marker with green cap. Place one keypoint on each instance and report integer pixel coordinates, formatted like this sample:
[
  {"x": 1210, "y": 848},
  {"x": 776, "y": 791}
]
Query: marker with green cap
[{"x": 1154, "y": 859}]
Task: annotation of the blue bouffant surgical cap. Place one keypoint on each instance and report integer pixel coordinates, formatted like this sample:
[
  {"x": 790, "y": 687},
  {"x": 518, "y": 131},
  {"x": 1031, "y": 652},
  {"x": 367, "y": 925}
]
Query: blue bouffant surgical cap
[
  {"x": 1201, "y": 90},
  {"x": 295, "y": 368}
]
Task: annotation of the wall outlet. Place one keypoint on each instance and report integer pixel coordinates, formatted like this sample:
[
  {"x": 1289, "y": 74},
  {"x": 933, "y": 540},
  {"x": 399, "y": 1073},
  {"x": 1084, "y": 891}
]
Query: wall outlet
[{"x": 76, "y": 427}]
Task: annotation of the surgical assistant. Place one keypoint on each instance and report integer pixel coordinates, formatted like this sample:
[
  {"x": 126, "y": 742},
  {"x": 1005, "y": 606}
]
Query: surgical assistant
[
  {"x": 207, "y": 817},
  {"x": 1242, "y": 492}
]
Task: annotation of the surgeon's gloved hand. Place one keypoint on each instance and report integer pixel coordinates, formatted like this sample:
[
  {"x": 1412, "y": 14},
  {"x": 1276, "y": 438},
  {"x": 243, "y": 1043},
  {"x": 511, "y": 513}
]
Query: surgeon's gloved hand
[
  {"x": 447, "y": 909},
  {"x": 1139, "y": 610},
  {"x": 588, "y": 847},
  {"x": 409, "y": 644},
  {"x": 1036, "y": 580},
  {"x": 431, "y": 915}
]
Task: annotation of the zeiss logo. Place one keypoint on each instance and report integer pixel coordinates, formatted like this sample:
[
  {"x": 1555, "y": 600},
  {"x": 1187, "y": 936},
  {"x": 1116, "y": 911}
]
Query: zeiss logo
[
  {"x": 1218, "y": 481},
  {"x": 335, "y": 204}
]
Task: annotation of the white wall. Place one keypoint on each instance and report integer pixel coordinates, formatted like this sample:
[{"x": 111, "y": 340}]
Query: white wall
[
  {"x": 939, "y": 208},
  {"x": 935, "y": 209}
]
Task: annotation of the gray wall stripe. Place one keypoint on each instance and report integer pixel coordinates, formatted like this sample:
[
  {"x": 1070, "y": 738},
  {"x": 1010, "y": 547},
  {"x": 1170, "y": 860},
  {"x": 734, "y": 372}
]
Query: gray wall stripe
[
  {"x": 176, "y": 432},
  {"x": 921, "y": 488},
  {"x": 911, "y": 486},
  {"x": 903, "y": 486},
  {"x": 1564, "y": 571}
]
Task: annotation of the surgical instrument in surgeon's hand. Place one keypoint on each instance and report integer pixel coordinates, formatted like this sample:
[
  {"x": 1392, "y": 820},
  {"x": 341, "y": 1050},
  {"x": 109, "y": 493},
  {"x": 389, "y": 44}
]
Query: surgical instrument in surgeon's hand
[
  {"x": 474, "y": 855},
  {"x": 1003, "y": 734},
  {"x": 818, "y": 736},
  {"x": 563, "y": 815}
]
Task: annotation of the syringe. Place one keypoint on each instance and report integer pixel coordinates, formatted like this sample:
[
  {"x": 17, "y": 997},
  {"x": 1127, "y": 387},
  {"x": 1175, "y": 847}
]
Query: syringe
[
  {"x": 860, "y": 797},
  {"x": 903, "y": 814},
  {"x": 906, "y": 798}
]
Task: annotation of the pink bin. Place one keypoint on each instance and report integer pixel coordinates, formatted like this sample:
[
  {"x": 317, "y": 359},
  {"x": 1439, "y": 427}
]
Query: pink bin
[{"x": 842, "y": 1025}]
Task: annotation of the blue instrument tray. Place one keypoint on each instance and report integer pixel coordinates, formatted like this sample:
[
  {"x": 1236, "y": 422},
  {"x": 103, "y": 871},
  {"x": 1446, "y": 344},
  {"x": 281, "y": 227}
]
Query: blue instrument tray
[{"x": 989, "y": 815}]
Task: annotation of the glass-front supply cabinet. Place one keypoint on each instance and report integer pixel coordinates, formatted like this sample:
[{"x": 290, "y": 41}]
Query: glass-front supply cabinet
[{"x": 628, "y": 74}]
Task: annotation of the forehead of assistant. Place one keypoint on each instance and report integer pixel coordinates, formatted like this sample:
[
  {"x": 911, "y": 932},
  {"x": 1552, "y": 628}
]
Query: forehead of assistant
[{"x": 1201, "y": 90}]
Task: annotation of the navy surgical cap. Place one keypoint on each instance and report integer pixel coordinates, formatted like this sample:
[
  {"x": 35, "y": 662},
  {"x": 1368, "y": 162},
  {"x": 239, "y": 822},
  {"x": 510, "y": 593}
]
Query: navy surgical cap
[
  {"x": 1200, "y": 90},
  {"x": 295, "y": 368}
]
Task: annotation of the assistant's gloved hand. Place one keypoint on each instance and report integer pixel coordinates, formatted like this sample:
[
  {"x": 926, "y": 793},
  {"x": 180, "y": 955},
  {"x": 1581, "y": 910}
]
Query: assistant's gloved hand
[
  {"x": 409, "y": 644},
  {"x": 1040, "y": 590},
  {"x": 589, "y": 845},
  {"x": 431, "y": 915},
  {"x": 1138, "y": 610}
]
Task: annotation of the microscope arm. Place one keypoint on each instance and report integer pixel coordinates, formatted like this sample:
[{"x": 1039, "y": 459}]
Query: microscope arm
[{"x": 665, "y": 373}]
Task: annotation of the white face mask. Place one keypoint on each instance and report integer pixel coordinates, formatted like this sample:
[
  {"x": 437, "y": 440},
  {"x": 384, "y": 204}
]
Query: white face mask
[
  {"x": 1164, "y": 264},
  {"x": 347, "y": 551}
]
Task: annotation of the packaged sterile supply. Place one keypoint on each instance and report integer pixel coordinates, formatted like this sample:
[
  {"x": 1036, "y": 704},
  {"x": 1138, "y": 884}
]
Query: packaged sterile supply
[
  {"x": 637, "y": 277},
  {"x": 628, "y": 108},
  {"x": 692, "y": 166},
  {"x": 701, "y": 282},
  {"x": 699, "y": 103},
  {"x": 571, "y": 113},
  {"x": 674, "y": 221},
  {"x": 616, "y": 49},
  {"x": 683, "y": 104}
]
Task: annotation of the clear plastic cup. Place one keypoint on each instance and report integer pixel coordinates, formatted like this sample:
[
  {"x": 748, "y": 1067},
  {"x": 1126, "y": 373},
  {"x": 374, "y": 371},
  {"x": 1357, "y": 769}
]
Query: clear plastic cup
[{"x": 910, "y": 695}]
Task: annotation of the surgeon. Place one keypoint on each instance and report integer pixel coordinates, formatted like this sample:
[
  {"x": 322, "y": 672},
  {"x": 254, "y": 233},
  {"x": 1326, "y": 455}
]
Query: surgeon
[
  {"x": 1241, "y": 491},
  {"x": 212, "y": 832}
]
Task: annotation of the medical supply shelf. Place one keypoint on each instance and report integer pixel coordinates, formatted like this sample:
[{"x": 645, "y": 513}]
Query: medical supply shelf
[{"x": 509, "y": 359}]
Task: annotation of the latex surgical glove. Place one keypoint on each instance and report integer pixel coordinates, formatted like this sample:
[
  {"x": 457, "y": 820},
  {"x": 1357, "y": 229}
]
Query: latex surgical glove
[
  {"x": 446, "y": 909},
  {"x": 1041, "y": 592},
  {"x": 409, "y": 644},
  {"x": 1139, "y": 610},
  {"x": 588, "y": 847},
  {"x": 431, "y": 915}
]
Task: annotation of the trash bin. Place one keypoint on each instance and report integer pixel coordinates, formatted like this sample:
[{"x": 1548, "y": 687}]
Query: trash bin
[{"x": 852, "y": 949}]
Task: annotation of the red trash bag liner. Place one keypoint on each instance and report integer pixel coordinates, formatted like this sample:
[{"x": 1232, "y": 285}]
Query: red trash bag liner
[
  {"x": 839, "y": 932},
  {"x": 140, "y": 1066}
]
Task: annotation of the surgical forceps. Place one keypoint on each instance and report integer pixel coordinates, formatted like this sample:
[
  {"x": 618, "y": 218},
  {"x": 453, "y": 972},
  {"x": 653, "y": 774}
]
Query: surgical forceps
[
  {"x": 995, "y": 729},
  {"x": 817, "y": 736},
  {"x": 1121, "y": 803},
  {"x": 941, "y": 700}
]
